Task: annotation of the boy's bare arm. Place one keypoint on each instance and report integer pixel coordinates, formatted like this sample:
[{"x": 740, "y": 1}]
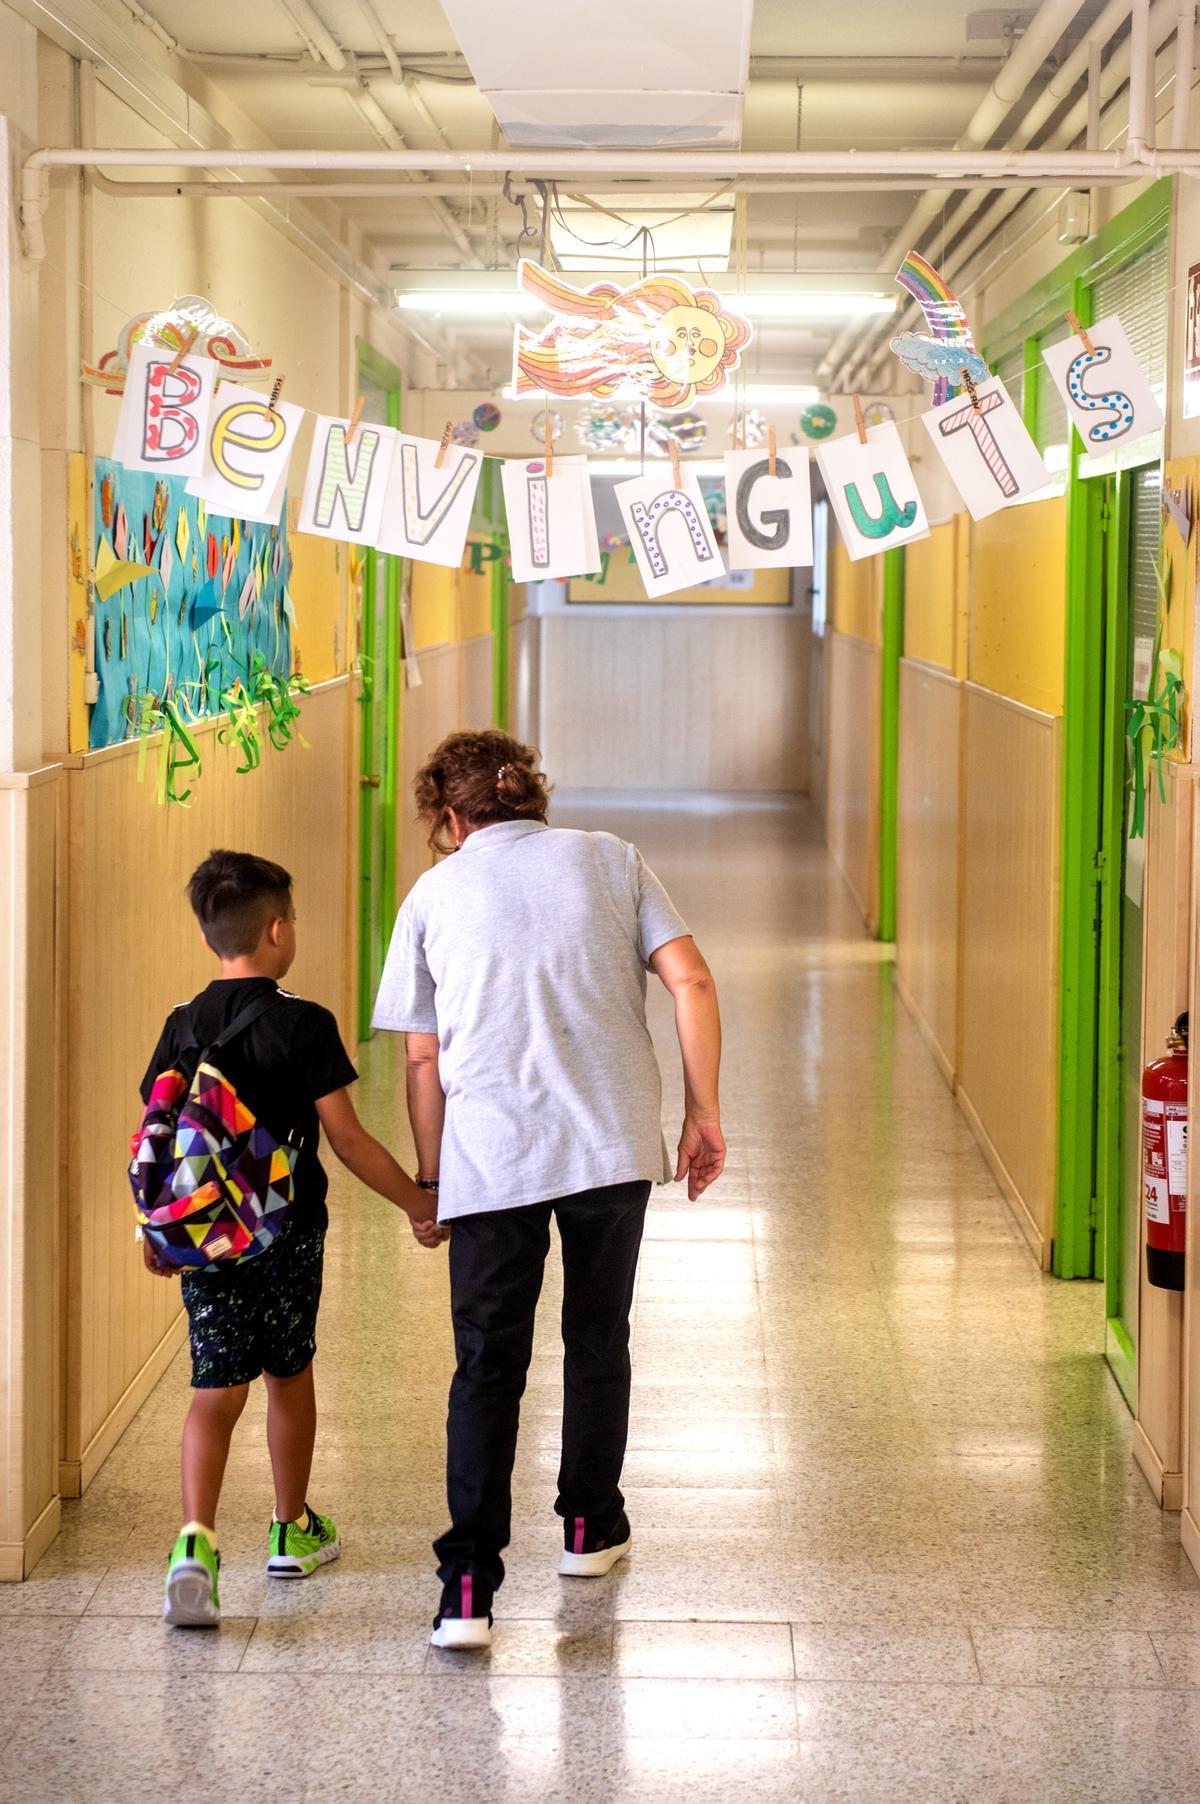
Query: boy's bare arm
[{"x": 374, "y": 1166}]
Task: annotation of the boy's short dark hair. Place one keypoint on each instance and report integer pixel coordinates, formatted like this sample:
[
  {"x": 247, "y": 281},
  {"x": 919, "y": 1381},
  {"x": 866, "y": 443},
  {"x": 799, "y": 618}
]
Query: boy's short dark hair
[{"x": 234, "y": 896}]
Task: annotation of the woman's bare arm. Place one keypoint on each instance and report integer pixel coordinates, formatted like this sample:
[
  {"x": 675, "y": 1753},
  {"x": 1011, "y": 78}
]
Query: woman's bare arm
[
  {"x": 426, "y": 1101},
  {"x": 681, "y": 967}
]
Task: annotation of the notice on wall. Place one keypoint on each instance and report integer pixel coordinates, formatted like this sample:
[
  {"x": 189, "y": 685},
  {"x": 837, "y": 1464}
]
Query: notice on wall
[
  {"x": 551, "y": 520},
  {"x": 428, "y": 510},
  {"x": 1106, "y": 391},
  {"x": 1191, "y": 346},
  {"x": 873, "y": 491},
  {"x": 163, "y": 423},
  {"x": 246, "y": 454},
  {"x": 770, "y": 517},
  {"x": 669, "y": 530},
  {"x": 346, "y": 482},
  {"x": 984, "y": 445}
]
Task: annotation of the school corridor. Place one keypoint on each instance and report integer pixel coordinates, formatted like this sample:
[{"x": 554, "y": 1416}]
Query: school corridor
[{"x": 889, "y": 1539}]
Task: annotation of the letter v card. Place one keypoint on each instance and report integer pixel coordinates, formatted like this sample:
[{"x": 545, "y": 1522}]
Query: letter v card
[
  {"x": 428, "y": 511},
  {"x": 770, "y": 517},
  {"x": 1105, "y": 389},
  {"x": 873, "y": 491},
  {"x": 551, "y": 523}
]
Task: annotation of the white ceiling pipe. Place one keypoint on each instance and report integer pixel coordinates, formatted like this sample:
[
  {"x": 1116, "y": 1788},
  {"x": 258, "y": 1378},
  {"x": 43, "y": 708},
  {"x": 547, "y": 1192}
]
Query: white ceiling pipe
[
  {"x": 1185, "y": 65},
  {"x": 1139, "y": 75},
  {"x": 315, "y": 32},
  {"x": 370, "y": 109},
  {"x": 412, "y": 89},
  {"x": 1043, "y": 33},
  {"x": 1162, "y": 20},
  {"x": 379, "y": 32}
]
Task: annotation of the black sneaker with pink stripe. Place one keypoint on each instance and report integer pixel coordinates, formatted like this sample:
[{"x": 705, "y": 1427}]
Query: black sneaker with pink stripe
[
  {"x": 465, "y": 1617},
  {"x": 592, "y": 1548}
]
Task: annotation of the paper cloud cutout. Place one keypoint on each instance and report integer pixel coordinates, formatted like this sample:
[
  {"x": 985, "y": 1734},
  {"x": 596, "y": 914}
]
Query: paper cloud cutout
[{"x": 935, "y": 360}]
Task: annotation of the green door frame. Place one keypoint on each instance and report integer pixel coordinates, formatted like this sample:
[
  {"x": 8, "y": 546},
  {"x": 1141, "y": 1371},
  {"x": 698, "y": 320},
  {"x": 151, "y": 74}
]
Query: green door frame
[
  {"x": 1087, "y": 1023},
  {"x": 378, "y": 804},
  {"x": 889, "y": 738}
]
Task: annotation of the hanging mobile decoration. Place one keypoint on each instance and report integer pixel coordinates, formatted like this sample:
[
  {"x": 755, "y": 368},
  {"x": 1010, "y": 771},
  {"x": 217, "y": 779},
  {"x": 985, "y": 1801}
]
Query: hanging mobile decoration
[
  {"x": 749, "y": 429},
  {"x": 539, "y": 423},
  {"x": 607, "y": 429},
  {"x": 465, "y": 433},
  {"x": 659, "y": 340},
  {"x": 941, "y": 355},
  {"x": 190, "y": 323},
  {"x": 818, "y": 421},
  {"x": 687, "y": 430},
  {"x": 878, "y": 414},
  {"x": 486, "y": 416}
]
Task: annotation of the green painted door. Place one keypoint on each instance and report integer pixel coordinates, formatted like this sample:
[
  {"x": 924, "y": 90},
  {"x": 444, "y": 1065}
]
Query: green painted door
[
  {"x": 1133, "y": 534},
  {"x": 380, "y": 700}
]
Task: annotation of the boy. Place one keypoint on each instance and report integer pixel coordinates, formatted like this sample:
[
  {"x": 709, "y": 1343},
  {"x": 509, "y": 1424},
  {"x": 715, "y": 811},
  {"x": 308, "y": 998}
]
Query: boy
[{"x": 260, "y": 1317}]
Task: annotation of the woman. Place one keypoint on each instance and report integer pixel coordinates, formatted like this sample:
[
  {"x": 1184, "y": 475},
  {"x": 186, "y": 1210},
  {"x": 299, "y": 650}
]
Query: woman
[{"x": 517, "y": 970}]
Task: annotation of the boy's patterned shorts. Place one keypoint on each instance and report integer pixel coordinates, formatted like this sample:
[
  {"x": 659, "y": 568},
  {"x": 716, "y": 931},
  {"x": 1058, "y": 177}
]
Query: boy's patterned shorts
[{"x": 258, "y": 1317}]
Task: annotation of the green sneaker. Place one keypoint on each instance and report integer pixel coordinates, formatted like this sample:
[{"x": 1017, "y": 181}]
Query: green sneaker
[
  {"x": 191, "y": 1600},
  {"x": 298, "y": 1548}
]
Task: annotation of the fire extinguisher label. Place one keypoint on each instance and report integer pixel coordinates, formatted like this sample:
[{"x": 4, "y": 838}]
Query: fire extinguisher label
[
  {"x": 1177, "y": 1153},
  {"x": 1158, "y": 1201}
]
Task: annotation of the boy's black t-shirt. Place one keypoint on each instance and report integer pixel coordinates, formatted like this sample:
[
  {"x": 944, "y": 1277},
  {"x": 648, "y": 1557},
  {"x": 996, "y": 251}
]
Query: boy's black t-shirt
[{"x": 281, "y": 1065}]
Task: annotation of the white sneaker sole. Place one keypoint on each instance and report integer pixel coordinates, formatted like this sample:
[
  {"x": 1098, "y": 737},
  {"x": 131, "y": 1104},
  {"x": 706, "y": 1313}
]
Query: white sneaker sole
[
  {"x": 188, "y": 1603},
  {"x": 287, "y": 1566},
  {"x": 462, "y": 1632},
  {"x": 593, "y": 1565}
]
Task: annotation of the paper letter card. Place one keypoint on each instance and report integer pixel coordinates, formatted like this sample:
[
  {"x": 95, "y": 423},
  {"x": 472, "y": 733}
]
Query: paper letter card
[
  {"x": 770, "y": 517},
  {"x": 670, "y": 531},
  {"x": 163, "y": 424},
  {"x": 990, "y": 456},
  {"x": 346, "y": 484},
  {"x": 874, "y": 493},
  {"x": 1106, "y": 392},
  {"x": 428, "y": 510},
  {"x": 246, "y": 455},
  {"x": 551, "y": 521}
]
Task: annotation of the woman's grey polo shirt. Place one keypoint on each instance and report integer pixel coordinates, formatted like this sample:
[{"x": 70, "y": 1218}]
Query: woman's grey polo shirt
[{"x": 526, "y": 954}]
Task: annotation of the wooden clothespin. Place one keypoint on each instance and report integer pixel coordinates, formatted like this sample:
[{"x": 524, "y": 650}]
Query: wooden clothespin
[
  {"x": 443, "y": 447},
  {"x": 276, "y": 386},
  {"x": 355, "y": 417},
  {"x": 770, "y": 450},
  {"x": 676, "y": 478},
  {"x": 549, "y": 446},
  {"x": 183, "y": 350},
  {"x": 968, "y": 382},
  {"x": 860, "y": 421},
  {"x": 1073, "y": 322}
]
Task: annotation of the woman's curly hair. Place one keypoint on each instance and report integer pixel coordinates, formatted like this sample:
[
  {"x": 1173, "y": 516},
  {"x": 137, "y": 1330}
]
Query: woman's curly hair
[{"x": 485, "y": 777}]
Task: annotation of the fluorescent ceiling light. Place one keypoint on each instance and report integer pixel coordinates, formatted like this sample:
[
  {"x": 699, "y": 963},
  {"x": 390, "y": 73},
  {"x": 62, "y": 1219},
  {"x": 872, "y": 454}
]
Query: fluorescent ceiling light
[
  {"x": 462, "y": 304},
  {"x": 493, "y": 294}
]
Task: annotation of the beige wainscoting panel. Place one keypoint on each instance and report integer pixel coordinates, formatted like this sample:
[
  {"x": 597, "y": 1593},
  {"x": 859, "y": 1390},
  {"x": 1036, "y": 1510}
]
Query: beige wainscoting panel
[
  {"x": 1008, "y": 983},
  {"x": 32, "y": 818},
  {"x": 475, "y": 695},
  {"x": 524, "y": 645},
  {"x": 852, "y": 676},
  {"x": 675, "y": 702},
  {"x": 1166, "y": 970},
  {"x": 134, "y": 951},
  {"x": 927, "y": 873}
]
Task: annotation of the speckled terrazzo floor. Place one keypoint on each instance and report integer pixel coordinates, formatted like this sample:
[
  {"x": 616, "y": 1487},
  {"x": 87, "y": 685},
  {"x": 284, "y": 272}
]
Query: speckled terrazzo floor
[{"x": 889, "y": 1541}]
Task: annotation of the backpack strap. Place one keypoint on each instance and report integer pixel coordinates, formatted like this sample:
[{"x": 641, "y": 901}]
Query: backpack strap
[{"x": 252, "y": 1012}]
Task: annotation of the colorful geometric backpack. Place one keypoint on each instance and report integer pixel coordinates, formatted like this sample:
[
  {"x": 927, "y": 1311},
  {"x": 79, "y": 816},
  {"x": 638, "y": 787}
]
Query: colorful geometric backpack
[{"x": 211, "y": 1184}]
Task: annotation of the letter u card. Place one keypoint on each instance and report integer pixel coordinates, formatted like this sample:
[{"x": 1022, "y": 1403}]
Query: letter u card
[
  {"x": 1105, "y": 388},
  {"x": 984, "y": 445},
  {"x": 428, "y": 511},
  {"x": 669, "y": 530},
  {"x": 551, "y": 521},
  {"x": 163, "y": 424},
  {"x": 873, "y": 491}
]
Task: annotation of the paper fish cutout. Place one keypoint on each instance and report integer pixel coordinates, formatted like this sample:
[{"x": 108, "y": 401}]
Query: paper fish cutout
[
  {"x": 182, "y": 533},
  {"x": 162, "y": 502},
  {"x": 106, "y": 500},
  {"x": 201, "y": 516},
  {"x": 248, "y": 596},
  {"x": 214, "y": 555},
  {"x": 1177, "y": 507},
  {"x": 949, "y": 348},
  {"x": 166, "y": 563},
  {"x": 115, "y": 577},
  {"x": 660, "y": 339},
  {"x": 121, "y": 532}
]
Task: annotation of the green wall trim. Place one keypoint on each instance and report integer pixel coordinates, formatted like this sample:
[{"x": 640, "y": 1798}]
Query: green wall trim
[
  {"x": 500, "y": 588},
  {"x": 889, "y": 737},
  {"x": 1109, "y": 1051},
  {"x": 1122, "y": 238}
]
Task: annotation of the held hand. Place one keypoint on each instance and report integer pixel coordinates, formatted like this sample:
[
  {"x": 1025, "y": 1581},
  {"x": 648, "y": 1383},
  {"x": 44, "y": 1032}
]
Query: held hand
[
  {"x": 151, "y": 1261},
  {"x": 429, "y": 1235},
  {"x": 701, "y": 1155}
]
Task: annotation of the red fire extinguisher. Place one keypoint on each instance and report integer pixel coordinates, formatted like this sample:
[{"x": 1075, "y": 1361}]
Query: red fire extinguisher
[{"x": 1164, "y": 1160}]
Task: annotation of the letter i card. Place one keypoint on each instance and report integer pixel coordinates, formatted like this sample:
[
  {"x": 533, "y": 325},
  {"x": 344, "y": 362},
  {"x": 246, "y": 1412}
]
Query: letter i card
[
  {"x": 986, "y": 449},
  {"x": 1105, "y": 388},
  {"x": 873, "y": 491}
]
